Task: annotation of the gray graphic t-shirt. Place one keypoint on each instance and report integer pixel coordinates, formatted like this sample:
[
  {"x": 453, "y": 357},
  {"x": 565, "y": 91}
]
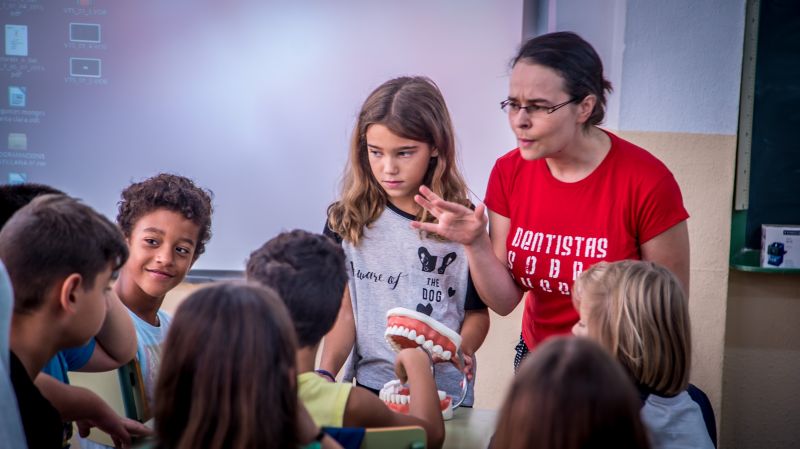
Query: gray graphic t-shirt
[{"x": 393, "y": 266}]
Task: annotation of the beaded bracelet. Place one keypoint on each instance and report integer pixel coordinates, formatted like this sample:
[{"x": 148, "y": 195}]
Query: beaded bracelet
[{"x": 327, "y": 374}]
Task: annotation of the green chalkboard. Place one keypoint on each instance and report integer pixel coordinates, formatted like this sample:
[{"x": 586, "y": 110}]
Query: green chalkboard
[{"x": 774, "y": 194}]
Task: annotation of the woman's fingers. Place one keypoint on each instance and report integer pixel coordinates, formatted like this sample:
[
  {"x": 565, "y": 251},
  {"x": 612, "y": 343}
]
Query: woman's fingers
[
  {"x": 427, "y": 205},
  {"x": 480, "y": 211},
  {"x": 432, "y": 228}
]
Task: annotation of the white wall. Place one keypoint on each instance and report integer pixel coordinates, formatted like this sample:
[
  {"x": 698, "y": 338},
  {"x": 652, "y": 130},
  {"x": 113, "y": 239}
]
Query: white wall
[{"x": 682, "y": 68}]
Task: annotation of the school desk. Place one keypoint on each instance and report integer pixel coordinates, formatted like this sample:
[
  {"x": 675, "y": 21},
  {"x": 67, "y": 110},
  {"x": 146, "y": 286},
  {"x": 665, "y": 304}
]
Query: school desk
[{"x": 470, "y": 428}]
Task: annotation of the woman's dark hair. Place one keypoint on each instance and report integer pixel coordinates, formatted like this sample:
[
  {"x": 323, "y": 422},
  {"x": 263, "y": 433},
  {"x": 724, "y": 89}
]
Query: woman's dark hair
[
  {"x": 576, "y": 61},
  {"x": 172, "y": 192},
  {"x": 227, "y": 377},
  {"x": 570, "y": 394}
]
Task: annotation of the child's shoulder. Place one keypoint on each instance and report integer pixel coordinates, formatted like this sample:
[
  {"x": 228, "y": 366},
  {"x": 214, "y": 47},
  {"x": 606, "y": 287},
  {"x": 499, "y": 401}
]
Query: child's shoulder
[{"x": 146, "y": 330}]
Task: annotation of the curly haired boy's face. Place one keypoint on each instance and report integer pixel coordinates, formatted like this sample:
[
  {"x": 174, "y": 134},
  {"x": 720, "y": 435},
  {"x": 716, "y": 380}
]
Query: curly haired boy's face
[{"x": 162, "y": 247}]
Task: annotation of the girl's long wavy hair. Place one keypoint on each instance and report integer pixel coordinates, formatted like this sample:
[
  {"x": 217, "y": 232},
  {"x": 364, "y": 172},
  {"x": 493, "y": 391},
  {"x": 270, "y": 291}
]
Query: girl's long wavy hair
[
  {"x": 412, "y": 108},
  {"x": 227, "y": 376},
  {"x": 638, "y": 311}
]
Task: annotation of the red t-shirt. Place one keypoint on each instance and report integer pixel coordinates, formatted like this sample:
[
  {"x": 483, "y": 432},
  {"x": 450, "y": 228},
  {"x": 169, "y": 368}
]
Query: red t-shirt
[{"x": 559, "y": 229}]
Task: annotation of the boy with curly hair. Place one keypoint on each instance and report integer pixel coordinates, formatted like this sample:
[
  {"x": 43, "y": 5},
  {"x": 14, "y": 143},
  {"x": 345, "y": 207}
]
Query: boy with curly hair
[{"x": 166, "y": 221}]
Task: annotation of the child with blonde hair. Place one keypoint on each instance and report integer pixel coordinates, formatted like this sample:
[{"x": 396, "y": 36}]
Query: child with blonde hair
[{"x": 639, "y": 312}]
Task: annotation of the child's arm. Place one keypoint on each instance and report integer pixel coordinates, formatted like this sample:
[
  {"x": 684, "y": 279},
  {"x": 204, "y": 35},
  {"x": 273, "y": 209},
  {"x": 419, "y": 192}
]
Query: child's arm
[
  {"x": 364, "y": 409},
  {"x": 116, "y": 341},
  {"x": 339, "y": 340},
  {"x": 473, "y": 332},
  {"x": 89, "y": 410}
]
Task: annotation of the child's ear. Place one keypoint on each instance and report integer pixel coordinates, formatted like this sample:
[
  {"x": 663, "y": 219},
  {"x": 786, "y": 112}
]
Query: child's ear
[
  {"x": 67, "y": 293},
  {"x": 434, "y": 152}
]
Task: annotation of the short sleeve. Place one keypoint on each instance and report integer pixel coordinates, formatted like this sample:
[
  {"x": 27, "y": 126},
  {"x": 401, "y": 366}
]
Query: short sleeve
[
  {"x": 473, "y": 300},
  {"x": 77, "y": 358},
  {"x": 661, "y": 208},
  {"x": 496, "y": 197},
  {"x": 328, "y": 232}
]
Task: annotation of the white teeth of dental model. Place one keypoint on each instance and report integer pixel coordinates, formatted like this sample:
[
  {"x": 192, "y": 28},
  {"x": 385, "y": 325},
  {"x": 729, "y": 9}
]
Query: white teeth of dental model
[
  {"x": 390, "y": 393},
  {"x": 430, "y": 322},
  {"x": 411, "y": 334}
]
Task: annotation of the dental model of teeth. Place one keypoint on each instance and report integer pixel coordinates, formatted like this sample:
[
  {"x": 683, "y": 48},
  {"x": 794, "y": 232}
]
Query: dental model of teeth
[
  {"x": 397, "y": 397},
  {"x": 410, "y": 329}
]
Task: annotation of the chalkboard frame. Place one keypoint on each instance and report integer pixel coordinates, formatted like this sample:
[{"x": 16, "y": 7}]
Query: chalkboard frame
[{"x": 768, "y": 160}]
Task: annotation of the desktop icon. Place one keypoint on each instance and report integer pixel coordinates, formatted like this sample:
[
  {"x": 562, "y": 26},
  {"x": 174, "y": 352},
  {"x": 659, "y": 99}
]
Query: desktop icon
[
  {"x": 17, "y": 96},
  {"x": 17, "y": 141},
  {"x": 87, "y": 67},
  {"x": 84, "y": 32},
  {"x": 17, "y": 178},
  {"x": 16, "y": 40}
]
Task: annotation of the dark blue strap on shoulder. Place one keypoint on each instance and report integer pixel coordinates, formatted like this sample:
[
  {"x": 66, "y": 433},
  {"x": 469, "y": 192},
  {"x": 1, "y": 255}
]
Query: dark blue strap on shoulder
[
  {"x": 701, "y": 399},
  {"x": 348, "y": 437}
]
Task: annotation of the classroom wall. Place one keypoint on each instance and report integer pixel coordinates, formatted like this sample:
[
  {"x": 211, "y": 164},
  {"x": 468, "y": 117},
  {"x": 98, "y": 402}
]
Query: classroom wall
[{"x": 761, "y": 376}]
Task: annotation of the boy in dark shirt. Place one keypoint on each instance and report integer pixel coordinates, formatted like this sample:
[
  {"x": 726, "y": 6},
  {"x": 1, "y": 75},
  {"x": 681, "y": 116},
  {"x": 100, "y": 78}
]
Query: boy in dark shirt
[{"x": 60, "y": 255}]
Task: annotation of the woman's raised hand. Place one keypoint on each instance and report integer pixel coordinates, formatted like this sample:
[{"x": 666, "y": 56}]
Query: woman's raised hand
[{"x": 456, "y": 223}]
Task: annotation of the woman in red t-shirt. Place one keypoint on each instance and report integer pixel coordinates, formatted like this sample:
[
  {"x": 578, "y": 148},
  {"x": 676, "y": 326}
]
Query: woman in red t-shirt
[{"x": 570, "y": 195}]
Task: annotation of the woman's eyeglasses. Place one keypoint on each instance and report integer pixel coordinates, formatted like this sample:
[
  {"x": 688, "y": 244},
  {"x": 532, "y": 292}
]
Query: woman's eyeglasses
[{"x": 513, "y": 107}]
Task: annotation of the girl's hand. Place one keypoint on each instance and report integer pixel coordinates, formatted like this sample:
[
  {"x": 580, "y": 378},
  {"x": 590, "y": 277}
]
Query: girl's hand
[
  {"x": 456, "y": 223},
  {"x": 411, "y": 362},
  {"x": 466, "y": 367}
]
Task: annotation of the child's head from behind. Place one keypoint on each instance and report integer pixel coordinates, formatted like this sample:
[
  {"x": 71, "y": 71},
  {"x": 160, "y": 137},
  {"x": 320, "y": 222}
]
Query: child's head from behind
[
  {"x": 638, "y": 311},
  {"x": 308, "y": 272},
  {"x": 402, "y": 112},
  {"x": 58, "y": 247},
  {"x": 167, "y": 222},
  {"x": 570, "y": 394},
  {"x": 14, "y": 196},
  {"x": 227, "y": 378}
]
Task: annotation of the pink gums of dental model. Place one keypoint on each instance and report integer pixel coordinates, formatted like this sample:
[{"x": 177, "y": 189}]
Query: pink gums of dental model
[
  {"x": 397, "y": 397},
  {"x": 410, "y": 329}
]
